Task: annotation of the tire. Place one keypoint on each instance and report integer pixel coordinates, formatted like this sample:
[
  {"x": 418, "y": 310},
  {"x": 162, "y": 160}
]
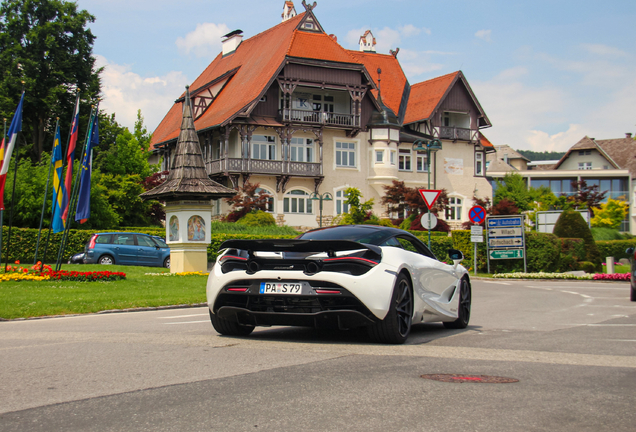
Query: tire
[
  {"x": 396, "y": 325},
  {"x": 463, "y": 314},
  {"x": 166, "y": 263},
  {"x": 106, "y": 260},
  {"x": 229, "y": 328}
]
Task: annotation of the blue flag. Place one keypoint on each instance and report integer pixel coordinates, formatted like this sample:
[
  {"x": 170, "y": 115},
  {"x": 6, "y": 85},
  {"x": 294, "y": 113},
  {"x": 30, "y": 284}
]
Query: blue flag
[
  {"x": 84, "y": 201},
  {"x": 59, "y": 191}
]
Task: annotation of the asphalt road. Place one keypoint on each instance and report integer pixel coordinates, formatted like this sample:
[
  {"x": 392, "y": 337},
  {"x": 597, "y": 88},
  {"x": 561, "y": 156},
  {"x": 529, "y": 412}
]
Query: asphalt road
[{"x": 570, "y": 345}]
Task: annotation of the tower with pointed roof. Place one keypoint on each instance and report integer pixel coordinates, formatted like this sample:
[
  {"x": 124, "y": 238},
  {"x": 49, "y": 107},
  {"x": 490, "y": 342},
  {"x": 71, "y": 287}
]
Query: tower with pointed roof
[
  {"x": 295, "y": 112},
  {"x": 187, "y": 192}
]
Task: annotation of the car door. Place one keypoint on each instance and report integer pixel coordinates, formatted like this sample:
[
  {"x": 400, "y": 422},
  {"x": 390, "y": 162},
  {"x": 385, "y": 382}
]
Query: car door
[
  {"x": 125, "y": 249},
  {"x": 436, "y": 281},
  {"x": 148, "y": 253}
]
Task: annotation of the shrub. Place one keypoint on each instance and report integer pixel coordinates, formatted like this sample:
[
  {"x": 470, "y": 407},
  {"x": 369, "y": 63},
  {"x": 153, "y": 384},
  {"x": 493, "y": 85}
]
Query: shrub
[
  {"x": 614, "y": 248},
  {"x": 600, "y": 233},
  {"x": 259, "y": 218},
  {"x": 572, "y": 225},
  {"x": 587, "y": 267}
]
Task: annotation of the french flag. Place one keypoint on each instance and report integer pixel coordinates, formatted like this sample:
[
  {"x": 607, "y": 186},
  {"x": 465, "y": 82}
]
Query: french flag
[
  {"x": 70, "y": 156},
  {"x": 7, "y": 150}
]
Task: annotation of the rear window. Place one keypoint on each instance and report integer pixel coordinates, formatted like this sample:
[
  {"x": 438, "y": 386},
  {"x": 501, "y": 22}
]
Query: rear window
[{"x": 103, "y": 239}]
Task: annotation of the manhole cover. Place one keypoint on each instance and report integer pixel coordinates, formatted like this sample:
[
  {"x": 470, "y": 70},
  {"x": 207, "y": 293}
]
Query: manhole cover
[{"x": 459, "y": 378}]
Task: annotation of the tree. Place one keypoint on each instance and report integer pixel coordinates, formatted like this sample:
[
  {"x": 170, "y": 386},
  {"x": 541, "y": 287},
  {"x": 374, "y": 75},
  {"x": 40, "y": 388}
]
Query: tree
[
  {"x": 247, "y": 200},
  {"x": 514, "y": 189},
  {"x": 46, "y": 44},
  {"x": 611, "y": 214},
  {"x": 586, "y": 196},
  {"x": 358, "y": 211},
  {"x": 394, "y": 197}
]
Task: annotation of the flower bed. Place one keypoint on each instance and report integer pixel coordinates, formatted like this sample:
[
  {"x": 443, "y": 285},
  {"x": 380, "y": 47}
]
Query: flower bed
[
  {"x": 612, "y": 277},
  {"x": 197, "y": 273},
  {"x": 40, "y": 272},
  {"x": 541, "y": 275}
]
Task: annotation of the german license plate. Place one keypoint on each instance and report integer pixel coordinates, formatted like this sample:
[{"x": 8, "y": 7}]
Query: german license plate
[{"x": 281, "y": 288}]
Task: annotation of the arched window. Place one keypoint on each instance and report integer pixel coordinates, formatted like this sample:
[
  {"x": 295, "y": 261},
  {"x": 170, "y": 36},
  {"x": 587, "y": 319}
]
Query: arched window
[
  {"x": 270, "y": 201},
  {"x": 297, "y": 201}
]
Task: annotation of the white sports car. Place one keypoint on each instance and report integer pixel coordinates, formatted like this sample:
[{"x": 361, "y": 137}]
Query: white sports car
[{"x": 339, "y": 277}]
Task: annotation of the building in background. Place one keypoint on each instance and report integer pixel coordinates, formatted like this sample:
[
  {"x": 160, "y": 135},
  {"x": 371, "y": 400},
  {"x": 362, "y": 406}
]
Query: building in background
[
  {"x": 610, "y": 164},
  {"x": 292, "y": 110}
]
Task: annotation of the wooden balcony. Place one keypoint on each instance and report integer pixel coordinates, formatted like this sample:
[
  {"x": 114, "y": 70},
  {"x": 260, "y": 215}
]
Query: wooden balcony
[
  {"x": 267, "y": 167},
  {"x": 456, "y": 134},
  {"x": 319, "y": 118}
]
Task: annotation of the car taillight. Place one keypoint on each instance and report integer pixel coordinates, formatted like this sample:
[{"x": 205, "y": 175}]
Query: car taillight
[
  {"x": 353, "y": 259},
  {"x": 91, "y": 244}
]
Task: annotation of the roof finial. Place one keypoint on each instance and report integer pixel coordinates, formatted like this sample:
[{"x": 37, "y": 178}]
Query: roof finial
[
  {"x": 309, "y": 8},
  {"x": 379, "y": 83}
]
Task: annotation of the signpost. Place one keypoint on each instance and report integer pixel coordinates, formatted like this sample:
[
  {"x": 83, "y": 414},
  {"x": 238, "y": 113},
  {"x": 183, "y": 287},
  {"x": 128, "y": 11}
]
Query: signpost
[
  {"x": 476, "y": 214},
  {"x": 429, "y": 196},
  {"x": 506, "y": 238}
]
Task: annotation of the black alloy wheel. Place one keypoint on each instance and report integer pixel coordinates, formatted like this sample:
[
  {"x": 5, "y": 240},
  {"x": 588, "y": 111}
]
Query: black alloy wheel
[
  {"x": 396, "y": 326},
  {"x": 463, "y": 312}
]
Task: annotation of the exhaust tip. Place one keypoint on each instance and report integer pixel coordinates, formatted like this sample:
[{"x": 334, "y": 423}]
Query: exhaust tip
[
  {"x": 253, "y": 267},
  {"x": 312, "y": 268}
]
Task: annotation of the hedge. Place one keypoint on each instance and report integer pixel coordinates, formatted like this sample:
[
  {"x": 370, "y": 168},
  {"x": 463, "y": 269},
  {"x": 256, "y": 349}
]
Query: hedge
[
  {"x": 615, "y": 248},
  {"x": 545, "y": 252}
]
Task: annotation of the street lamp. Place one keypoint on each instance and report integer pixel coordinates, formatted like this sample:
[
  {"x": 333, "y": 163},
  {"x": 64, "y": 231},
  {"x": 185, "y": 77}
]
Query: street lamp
[
  {"x": 429, "y": 147},
  {"x": 321, "y": 197}
]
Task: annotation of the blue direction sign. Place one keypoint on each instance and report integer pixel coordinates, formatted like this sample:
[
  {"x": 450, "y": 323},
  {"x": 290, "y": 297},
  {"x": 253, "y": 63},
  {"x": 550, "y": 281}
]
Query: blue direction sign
[{"x": 505, "y": 222}]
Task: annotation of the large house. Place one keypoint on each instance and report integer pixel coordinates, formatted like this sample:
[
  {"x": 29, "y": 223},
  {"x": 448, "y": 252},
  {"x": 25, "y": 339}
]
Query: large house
[
  {"x": 294, "y": 111},
  {"x": 609, "y": 164}
]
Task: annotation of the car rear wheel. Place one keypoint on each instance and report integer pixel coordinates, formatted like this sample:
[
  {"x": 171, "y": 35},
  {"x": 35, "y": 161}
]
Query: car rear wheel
[
  {"x": 632, "y": 295},
  {"x": 106, "y": 260},
  {"x": 463, "y": 315},
  {"x": 396, "y": 325},
  {"x": 229, "y": 328},
  {"x": 166, "y": 263}
]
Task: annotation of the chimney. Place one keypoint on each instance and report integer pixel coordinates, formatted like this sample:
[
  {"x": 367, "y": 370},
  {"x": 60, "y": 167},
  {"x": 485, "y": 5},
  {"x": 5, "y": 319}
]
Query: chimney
[
  {"x": 367, "y": 42},
  {"x": 289, "y": 11},
  {"x": 232, "y": 41},
  {"x": 628, "y": 135}
]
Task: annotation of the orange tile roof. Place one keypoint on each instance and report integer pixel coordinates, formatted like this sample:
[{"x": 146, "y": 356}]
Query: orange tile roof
[
  {"x": 258, "y": 58},
  {"x": 393, "y": 78},
  {"x": 426, "y": 96},
  {"x": 485, "y": 142},
  {"x": 318, "y": 46}
]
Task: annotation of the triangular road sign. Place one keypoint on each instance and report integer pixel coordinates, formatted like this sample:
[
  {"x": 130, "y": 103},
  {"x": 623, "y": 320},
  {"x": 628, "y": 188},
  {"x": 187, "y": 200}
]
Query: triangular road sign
[{"x": 429, "y": 196}]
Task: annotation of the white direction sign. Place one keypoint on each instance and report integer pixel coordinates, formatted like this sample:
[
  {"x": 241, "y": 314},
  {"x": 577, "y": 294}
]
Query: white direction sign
[
  {"x": 425, "y": 221},
  {"x": 505, "y": 242},
  {"x": 476, "y": 239},
  {"x": 476, "y": 230},
  {"x": 505, "y": 232}
]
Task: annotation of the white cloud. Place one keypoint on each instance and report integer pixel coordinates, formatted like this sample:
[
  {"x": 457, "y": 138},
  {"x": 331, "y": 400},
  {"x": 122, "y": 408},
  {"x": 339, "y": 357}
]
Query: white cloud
[
  {"x": 124, "y": 92},
  {"x": 604, "y": 50},
  {"x": 204, "y": 41},
  {"x": 484, "y": 35},
  {"x": 561, "y": 141}
]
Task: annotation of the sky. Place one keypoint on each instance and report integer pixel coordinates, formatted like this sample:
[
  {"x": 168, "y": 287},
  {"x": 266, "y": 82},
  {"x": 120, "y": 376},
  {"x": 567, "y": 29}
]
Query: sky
[{"x": 547, "y": 73}]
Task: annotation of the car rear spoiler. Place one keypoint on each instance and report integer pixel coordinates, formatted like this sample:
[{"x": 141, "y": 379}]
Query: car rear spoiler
[{"x": 301, "y": 246}]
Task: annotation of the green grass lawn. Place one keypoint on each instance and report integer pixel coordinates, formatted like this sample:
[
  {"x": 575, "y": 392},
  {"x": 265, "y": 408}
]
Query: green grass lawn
[{"x": 26, "y": 299}]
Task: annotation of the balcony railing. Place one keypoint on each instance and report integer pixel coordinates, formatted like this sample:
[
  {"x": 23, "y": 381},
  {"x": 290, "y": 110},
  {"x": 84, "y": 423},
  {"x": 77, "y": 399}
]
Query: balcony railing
[
  {"x": 260, "y": 166},
  {"x": 319, "y": 118},
  {"x": 454, "y": 133}
]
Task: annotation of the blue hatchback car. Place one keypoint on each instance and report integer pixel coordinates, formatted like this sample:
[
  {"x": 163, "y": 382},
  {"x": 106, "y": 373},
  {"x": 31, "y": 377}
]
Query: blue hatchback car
[{"x": 126, "y": 248}]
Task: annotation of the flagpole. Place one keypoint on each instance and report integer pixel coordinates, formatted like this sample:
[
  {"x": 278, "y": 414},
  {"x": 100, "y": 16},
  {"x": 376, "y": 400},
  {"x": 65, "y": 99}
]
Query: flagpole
[
  {"x": 15, "y": 175},
  {"x": 65, "y": 161},
  {"x": 4, "y": 137},
  {"x": 72, "y": 199},
  {"x": 46, "y": 192}
]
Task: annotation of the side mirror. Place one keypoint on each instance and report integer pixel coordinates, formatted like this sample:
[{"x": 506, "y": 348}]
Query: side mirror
[{"x": 456, "y": 255}]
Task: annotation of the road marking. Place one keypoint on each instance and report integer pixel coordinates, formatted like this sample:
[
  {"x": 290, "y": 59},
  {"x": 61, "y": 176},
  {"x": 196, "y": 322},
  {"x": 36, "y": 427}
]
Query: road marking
[
  {"x": 181, "y": 316},
  {"x": 575, "y": 293},
  {"x": 498, "y": 283},
  {"x": 187, "y": 322}
]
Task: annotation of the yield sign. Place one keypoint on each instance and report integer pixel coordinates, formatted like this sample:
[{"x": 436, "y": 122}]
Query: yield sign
[{"x": 429, "y": 196}]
